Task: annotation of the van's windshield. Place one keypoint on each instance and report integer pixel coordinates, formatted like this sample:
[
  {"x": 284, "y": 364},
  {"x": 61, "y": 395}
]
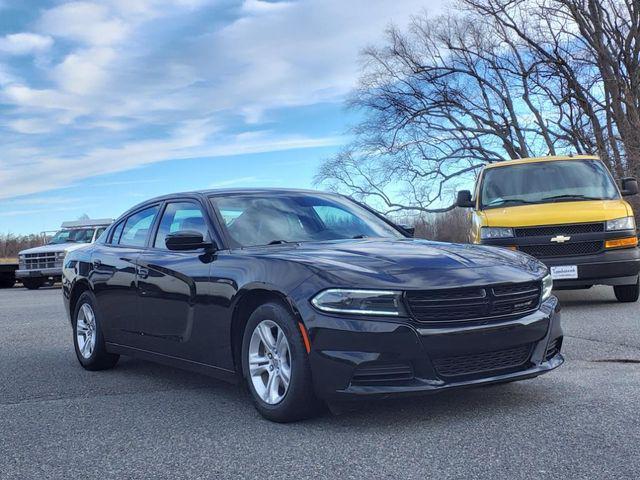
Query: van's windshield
[{"x": 546, "y": 182}]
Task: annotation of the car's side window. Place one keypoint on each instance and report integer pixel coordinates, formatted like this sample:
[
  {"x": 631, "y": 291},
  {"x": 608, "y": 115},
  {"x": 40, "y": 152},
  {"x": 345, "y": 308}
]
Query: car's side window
[
  {"x": 180, "y": 216},
  {"x": 137, "y": 227},
  {"x": 116, "y": 234}
]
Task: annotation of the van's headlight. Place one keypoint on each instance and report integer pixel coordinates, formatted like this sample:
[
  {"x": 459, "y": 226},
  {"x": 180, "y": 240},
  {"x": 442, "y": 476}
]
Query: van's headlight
[
  {"x": 624, "y": 223},
  {"x": 496, "y": 232},
  {"x": 360, "y": 302},
  {"x": 547, "y": 287}
]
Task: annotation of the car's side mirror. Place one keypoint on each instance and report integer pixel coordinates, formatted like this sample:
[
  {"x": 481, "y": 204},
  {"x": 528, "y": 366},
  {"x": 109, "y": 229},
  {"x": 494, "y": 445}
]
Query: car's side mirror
[
  {"x": 186, "y": 240},
  {"x": 411, "y": 231},
  {"x": 464, "y": 199},
  {"x": 629, "y": 186}
]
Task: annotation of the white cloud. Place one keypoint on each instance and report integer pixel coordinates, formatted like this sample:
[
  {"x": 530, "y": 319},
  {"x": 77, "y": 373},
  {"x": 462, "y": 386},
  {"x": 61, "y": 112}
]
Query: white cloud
[
  {"x": 125, "y": 83},
  {"x": 87, "y": 22},
  {"x": 24, "y": 43}
]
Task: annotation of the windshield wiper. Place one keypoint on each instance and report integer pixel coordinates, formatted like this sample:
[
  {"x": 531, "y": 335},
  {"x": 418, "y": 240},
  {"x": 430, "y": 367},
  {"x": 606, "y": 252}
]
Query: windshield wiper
[
  {"x": 279, "y": 242},
  {"x": 570, "y": 197},
  {"x": 362, "y": 235},
  {"x": 503, "y": 201}
]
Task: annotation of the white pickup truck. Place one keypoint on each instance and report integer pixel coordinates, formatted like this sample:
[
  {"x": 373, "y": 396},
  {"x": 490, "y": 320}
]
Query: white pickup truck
[{"x": 41, "y": 265}]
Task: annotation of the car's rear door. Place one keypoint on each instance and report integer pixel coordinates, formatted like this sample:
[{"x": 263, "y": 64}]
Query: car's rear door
[
  {"x": 173, "y": 286},
  {"x": 114, "y": 275}
]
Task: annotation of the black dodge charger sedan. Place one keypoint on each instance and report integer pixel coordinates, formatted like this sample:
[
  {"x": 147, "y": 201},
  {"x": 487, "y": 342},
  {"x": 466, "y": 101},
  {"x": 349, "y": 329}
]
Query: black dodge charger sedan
[{"x": 307, "y": 297}]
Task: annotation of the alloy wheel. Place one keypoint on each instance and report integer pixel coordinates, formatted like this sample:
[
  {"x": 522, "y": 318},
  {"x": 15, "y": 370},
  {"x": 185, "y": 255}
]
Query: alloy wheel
[
  {"x": 86, "y": 330},
  {"x": 269, "y": 362}
]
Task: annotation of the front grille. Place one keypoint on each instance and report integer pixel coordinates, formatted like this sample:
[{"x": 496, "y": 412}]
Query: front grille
[
  {"x": 35, "y": 261},
  {"x": 377, "y": 373},
  {"x": 464, "y": 304},
  {"x": 553, "y": 230},
  {"x": 482, "y": 362},
  {"x": 553, "y": 349},
  {"x": 563, "y": 249}
]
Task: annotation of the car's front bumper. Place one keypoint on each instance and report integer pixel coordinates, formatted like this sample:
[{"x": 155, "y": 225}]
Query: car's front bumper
[
  {"x": 40, "y": 273},
  {"x": 347, "y": 352}
]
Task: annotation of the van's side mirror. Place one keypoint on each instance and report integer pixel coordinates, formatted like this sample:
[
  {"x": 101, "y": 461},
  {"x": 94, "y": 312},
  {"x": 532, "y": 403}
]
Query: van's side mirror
[
  {"x": 186, "y": 240},
  {"x": 464, "y": 199},
  {"x": 629, "y": 186}
]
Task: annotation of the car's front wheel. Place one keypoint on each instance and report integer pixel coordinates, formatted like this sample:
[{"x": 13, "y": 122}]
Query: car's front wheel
[
  {"x": 88, "y": 337},
  {"x": 276, "y": 365},
  {"x": 627, "y": 293}
]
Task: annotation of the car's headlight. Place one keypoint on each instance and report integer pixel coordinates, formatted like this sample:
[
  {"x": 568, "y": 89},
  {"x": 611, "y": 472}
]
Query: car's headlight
[
  {"x": 61, "y": 255},
  {"x": 496, "y": 232},
  {"x": 624, "y": 223},
  {"x": 360, "y": 302},
  {"x": 547, "y": 287}
]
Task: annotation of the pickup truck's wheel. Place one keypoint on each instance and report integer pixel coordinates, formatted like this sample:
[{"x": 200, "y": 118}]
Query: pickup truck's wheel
[
  {"x": 276, "y": 366},
  {"x": 627, "y": 293},
  {"x": 88, "y": 338},
  {"x": 32, "y": 283}
]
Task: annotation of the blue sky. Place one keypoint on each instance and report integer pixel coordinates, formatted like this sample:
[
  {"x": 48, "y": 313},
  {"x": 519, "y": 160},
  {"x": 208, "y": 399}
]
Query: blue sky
[{"x": 105, "y": 103}]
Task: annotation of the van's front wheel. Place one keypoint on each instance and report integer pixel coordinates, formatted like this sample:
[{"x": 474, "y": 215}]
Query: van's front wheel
[{"x": 627, "y": 293}]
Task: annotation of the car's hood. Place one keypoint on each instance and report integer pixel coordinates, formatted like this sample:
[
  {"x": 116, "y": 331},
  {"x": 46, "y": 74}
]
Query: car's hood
[
  {"x": 60, "y": 247},
  {"x": 410, "y": 263},
  {"x": 556, "y": 213}
]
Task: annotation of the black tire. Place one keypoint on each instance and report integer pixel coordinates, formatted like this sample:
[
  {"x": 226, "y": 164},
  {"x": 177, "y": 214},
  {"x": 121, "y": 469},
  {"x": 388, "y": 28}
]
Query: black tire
[
  {"x": 299, "y": 401},
  {"x": 99, "y": 359},
  {"x": 32, "y": 283},
  {"x": 7, "y": 283},
  {"x": 627, "y": 293}
]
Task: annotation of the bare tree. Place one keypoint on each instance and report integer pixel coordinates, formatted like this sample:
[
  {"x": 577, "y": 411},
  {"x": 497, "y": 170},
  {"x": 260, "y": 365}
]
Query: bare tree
[{"x": 503, "y": 79}]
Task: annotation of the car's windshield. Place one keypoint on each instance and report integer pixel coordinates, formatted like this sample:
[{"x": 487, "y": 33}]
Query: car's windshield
[
  {"x": 280, "y": 218},
  {"x": 76, "y": 235},
  {"x": 543, "y": 182}
]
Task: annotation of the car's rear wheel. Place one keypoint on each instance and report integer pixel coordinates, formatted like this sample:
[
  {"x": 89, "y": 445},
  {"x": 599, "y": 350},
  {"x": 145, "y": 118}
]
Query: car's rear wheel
[
  {"x": 88, "y": 337},
  {"x": 32, "y": 283},
  {"x": 276, "y": 365},
  {"x": 627, "y": 293}
]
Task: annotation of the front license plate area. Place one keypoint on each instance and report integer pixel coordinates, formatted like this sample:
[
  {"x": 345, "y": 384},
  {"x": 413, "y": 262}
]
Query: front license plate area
[{"x": 564, "y": 272}]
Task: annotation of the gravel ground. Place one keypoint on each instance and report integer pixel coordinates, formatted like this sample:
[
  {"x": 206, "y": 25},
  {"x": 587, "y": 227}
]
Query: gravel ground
[{"x": 141, "y": 420}]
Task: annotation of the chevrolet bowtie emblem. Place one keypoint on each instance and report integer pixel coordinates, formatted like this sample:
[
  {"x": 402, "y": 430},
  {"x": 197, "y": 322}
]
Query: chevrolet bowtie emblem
[{"x": 560, "y": 239}]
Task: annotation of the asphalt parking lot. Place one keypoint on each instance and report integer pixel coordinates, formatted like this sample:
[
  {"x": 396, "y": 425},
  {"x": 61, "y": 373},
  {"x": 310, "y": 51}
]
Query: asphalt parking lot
[{"x": 141, "y": 420}]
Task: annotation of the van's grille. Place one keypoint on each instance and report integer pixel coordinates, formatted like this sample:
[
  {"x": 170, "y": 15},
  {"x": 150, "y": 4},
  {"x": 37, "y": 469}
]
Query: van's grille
[
  {"x": 482, "y": 362},
  {"x": 462, "y": 304},
  {"x": 562, "y": 249},
  {"x": 35, "y": 261},
  {"x": 553, "y": 230}
]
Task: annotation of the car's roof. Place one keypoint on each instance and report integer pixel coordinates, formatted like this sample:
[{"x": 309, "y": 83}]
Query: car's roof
[
  {"x": 228, "y": 191},
  {"x": 554, "y": 158}
]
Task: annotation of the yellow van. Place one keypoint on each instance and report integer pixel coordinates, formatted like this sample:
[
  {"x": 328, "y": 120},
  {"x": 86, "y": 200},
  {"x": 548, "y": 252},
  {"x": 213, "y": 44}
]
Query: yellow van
[{"x": 565, "y": 211}]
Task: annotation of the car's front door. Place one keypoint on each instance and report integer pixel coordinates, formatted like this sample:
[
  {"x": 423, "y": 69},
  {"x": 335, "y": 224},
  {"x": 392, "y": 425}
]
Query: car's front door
[{"x": 173, "y": 286}]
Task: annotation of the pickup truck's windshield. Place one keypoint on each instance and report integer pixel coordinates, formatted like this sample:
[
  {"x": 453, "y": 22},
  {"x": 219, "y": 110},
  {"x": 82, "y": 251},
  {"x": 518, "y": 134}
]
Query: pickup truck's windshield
[
  {"x": 76, "y": 235},
  {"x": 546, "y": 182},
  {"x": 264, "y": 219}
]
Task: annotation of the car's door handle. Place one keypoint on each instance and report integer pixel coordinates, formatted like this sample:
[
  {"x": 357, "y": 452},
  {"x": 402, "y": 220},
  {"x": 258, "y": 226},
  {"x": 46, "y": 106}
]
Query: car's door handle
[{"x": 143, "y": 272}]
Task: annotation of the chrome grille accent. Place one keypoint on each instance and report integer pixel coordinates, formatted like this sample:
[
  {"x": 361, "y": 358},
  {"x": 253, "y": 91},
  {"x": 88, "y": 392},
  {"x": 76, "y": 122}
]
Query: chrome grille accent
[{"x": 37, "y": 261}]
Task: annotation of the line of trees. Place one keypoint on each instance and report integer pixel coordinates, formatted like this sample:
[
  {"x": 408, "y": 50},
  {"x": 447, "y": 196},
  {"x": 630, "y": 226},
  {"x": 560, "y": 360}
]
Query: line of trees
[
  {"x": 496, "y": 80},
  {"x": 11, "y": 244}
]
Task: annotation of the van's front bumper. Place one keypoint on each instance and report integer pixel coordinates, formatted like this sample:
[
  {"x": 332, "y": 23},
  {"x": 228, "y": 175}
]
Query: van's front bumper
[
  {"x": 612, "y": 267},
  {"x": 353, "y": 358}
]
